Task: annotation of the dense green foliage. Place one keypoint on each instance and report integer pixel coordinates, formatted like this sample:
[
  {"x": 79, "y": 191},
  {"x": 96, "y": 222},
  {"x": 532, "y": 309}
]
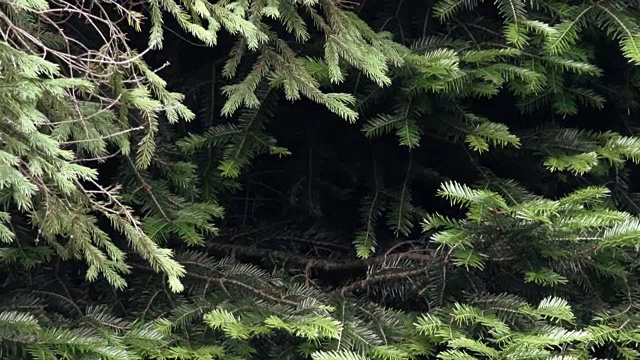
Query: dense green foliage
[{"x": 294, "y": 179}]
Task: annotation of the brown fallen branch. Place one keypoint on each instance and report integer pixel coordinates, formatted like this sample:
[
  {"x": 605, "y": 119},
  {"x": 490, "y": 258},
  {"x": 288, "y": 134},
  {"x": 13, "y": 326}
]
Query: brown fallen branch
[
  {"x": 318, "y": 263},
  {"x": 348, "y": 4},
  {"x": 222, "y": 280},
  {"x": 381, "y": 278}
]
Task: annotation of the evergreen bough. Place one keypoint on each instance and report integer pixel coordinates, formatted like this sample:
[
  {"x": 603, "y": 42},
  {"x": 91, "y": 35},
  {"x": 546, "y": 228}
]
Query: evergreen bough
[{"x": 105, "y": 264}]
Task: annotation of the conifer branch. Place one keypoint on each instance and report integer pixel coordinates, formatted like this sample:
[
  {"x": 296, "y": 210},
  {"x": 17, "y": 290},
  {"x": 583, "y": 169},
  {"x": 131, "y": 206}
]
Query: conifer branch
[{"x": 318, "y": 263}]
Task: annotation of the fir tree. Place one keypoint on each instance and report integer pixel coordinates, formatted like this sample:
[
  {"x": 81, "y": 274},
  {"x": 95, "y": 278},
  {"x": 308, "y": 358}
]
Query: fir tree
[{"x": 131, "y": 234}]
